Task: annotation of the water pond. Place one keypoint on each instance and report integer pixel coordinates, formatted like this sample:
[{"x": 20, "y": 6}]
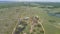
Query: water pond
[{"x": 54, "y": 14}]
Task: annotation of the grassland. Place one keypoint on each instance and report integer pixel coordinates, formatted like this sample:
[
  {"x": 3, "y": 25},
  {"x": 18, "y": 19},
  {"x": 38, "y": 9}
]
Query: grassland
[{"x": 9, "y": 18}]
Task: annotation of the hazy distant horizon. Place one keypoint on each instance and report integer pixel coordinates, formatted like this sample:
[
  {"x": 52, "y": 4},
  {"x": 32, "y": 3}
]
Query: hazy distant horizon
[{"x": 33, "y": 0}]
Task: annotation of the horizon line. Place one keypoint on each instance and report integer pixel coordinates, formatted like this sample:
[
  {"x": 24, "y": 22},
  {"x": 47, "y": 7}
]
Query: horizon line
[{"x": 32, "y": 1}]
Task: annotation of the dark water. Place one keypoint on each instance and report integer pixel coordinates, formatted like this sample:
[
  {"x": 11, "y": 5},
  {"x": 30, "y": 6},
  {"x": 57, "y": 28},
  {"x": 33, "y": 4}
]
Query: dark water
[{"x": 54, "y": 14}]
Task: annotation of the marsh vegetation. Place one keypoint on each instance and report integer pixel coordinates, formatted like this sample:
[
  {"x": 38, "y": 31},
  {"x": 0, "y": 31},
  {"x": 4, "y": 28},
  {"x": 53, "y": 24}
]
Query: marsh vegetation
[{"x": 49, "y": 14}]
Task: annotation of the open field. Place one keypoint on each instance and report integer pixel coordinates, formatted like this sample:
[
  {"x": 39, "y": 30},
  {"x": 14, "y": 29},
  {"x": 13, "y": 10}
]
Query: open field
[{"x": 9, "y": 18}]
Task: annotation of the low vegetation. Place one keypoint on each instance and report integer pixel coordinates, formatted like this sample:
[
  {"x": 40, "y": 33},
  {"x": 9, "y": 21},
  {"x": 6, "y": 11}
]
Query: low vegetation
[{"x": 9, "y": 16}]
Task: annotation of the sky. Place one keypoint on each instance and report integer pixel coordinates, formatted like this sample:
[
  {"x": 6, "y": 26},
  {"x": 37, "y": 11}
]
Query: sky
[{"x": 34, "y": 0}]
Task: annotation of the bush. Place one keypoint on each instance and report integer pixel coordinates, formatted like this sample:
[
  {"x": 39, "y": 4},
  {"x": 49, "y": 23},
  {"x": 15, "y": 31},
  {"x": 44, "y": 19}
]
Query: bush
[{"x": 52, "y": 21}]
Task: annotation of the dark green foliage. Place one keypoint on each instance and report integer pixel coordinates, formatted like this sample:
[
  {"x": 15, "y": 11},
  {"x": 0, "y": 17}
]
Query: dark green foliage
[
  {"x": 1, "y": 12},
  {"x": 57, "y": 13},
  {"x": 31, "y": 33},
  {"x": 38, "y": 25},
  {"x": 52, "y": 21},
  {"x": 34, "y": 30},
  {"x": 42, "y": 31}
]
